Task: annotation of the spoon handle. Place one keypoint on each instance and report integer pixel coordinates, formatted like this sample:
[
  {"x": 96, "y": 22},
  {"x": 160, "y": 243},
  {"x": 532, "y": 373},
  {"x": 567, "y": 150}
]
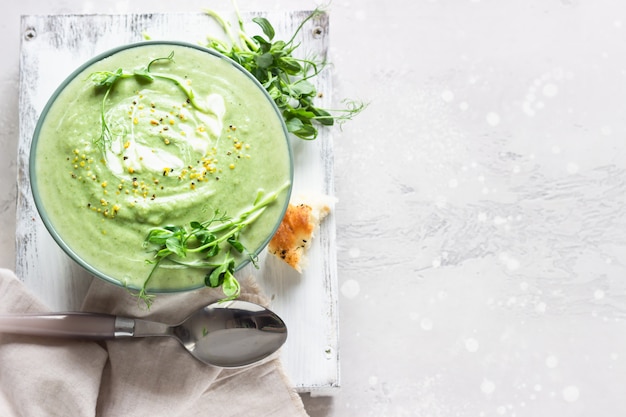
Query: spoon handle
[{"x": 74, "y": 324}]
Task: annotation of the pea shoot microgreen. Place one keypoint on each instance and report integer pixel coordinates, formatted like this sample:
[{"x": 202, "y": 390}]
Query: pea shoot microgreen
[
  {"x": 108, "y": 79},
  {"x": 286, "y": 77},
  {"x": 209, "y": 246}
]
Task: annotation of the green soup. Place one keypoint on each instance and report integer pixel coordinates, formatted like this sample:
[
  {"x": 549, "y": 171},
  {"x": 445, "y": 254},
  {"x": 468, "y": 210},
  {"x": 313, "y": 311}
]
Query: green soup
[{"x": 183, "y": 136}]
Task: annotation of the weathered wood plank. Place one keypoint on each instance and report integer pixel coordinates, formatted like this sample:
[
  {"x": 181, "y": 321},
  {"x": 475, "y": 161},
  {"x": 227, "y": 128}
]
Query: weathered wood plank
[{"x": 52, "y": 47}]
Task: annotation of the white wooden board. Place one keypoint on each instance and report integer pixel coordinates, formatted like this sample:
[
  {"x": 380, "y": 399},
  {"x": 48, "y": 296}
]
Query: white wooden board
[{"x": 52, "y": 47}]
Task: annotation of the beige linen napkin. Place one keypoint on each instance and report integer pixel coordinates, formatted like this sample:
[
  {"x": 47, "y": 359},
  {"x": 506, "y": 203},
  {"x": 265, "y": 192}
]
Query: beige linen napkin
[{"x": 131, "y": 377}]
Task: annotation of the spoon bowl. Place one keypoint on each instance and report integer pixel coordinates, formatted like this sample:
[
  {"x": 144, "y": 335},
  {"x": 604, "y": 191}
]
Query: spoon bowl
[
  {"x": 227, "y": 334},
  {"x": 240, "y": 333}
]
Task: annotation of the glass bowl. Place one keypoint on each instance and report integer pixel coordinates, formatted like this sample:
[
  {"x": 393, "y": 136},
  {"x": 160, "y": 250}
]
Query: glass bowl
[{"x": 161, "y": 146}]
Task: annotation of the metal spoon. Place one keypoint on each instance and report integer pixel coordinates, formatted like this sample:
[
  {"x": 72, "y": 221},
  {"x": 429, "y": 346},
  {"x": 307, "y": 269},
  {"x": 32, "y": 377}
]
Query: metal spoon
[{"x": 226, "y": 334}]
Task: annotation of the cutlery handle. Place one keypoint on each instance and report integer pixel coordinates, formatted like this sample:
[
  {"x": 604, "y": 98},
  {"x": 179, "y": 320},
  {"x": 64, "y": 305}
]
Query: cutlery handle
[{"x": 77, "y": 325}]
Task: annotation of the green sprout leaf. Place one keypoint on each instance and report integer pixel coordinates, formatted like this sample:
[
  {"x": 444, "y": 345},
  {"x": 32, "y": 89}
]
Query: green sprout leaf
[
  {"x": 236, "y": 244},
  {"x": 266, "y": 26},
  {"x": 230, "y": 286}
]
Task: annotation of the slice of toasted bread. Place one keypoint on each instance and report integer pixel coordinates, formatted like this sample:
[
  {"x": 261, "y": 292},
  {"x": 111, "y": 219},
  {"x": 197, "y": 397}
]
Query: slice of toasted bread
[{"x": 296, "y": 231}]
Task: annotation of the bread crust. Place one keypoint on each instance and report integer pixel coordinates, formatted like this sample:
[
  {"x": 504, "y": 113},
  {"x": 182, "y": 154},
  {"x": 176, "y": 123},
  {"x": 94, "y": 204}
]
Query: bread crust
[{"x": 295, "y": 232}]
